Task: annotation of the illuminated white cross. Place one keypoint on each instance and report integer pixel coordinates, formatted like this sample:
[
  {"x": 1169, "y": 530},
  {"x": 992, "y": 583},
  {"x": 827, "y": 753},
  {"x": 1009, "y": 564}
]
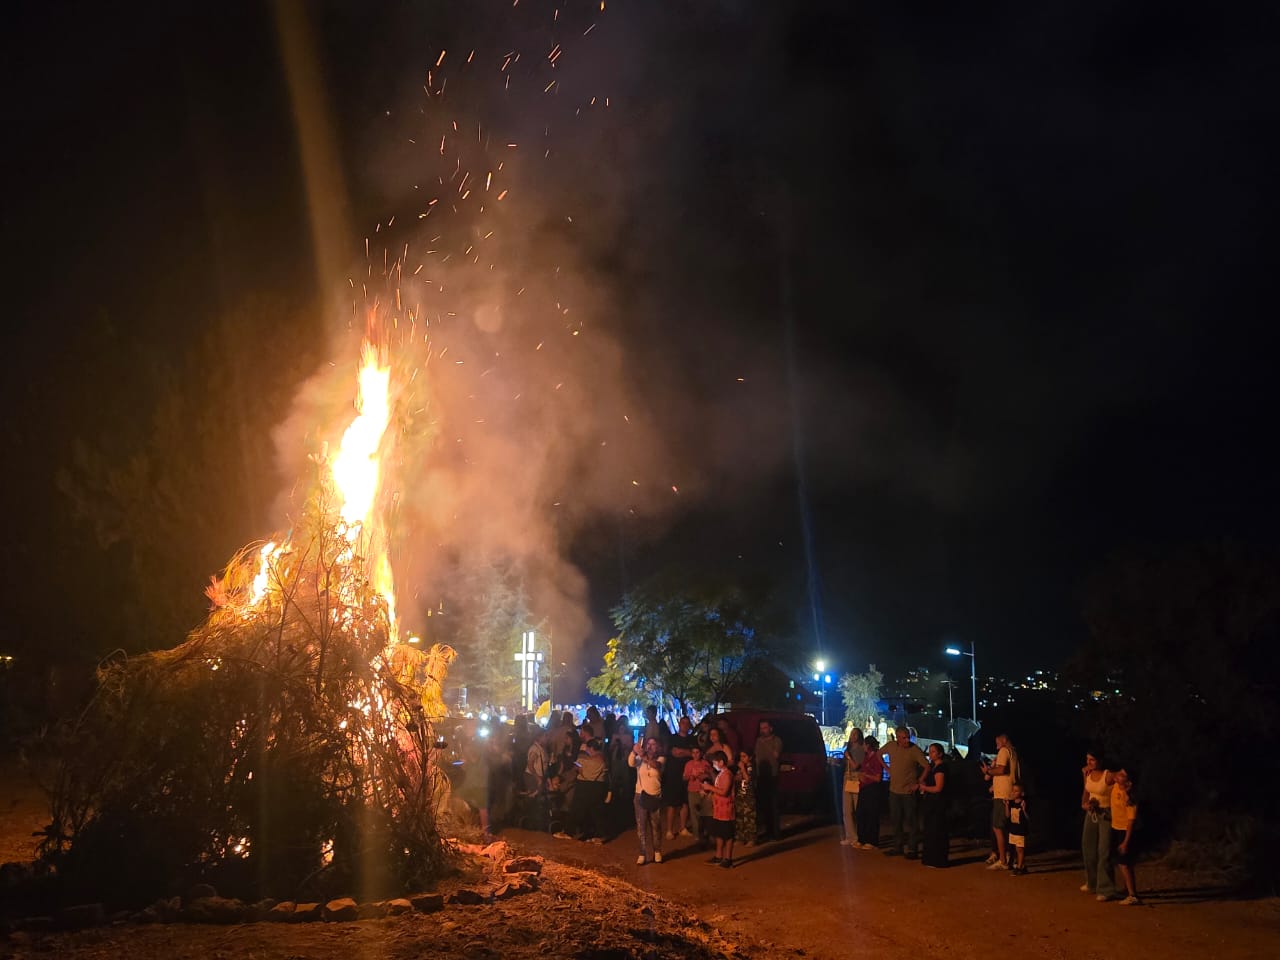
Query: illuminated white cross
[{"x": 529, "y": 661}]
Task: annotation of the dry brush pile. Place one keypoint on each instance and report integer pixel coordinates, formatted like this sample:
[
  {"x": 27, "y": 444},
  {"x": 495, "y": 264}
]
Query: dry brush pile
[{"x": 284, "y": 749}]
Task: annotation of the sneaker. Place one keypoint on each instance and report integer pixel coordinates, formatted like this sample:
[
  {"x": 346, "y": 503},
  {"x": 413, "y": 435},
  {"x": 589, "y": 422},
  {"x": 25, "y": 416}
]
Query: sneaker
[
  {"x": 998, "y": 865},
  {"x": 561, "y": 835},
  {"x": 867, "y": 846},
  {"x": 714, "y": 861},
  {"x": 657, "y": 856},
  {"x": 992, "y": 859},
  {"x": 1131, "y": 902},
  {"x": 640, "y": 861},
  {"x": 726, "y": 864},
  {"x": 684, "y": 833},
  {"x": 1102, "y": 898}
]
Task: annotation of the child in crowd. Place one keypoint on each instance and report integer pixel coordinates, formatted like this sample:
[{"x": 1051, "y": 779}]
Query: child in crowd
[
  {"x": 1018, "y": 818},
  {"x": 722, "y": 826},
  {"x": 1124, "y": 815},
  {"x": 697, "y": 772}
]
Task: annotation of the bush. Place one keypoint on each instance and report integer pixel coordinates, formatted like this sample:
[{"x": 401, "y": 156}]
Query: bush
[{"x": 1239, "y": 851}]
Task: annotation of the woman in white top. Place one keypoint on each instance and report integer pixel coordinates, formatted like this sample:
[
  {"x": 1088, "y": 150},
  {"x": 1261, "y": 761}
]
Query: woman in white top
[
  {"x": 648, "y": 761},
  {"x": 717, "y": 741},
  {"x": 1095, "y": 838},
  {"x": 854, "y": 751}
]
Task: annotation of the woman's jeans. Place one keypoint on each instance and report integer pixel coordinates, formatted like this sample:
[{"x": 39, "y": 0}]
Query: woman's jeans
[
  {"x": 649, "y": 830},
  {"x": 1095, "y": 844},
  {"x": 850, "y": 816}
]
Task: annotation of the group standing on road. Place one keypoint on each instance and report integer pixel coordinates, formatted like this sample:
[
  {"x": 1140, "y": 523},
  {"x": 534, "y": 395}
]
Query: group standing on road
[
  {"x": 692, "y": 783},
  {"x": 695, "y": 783},
  {"x": 918, "y": 785}
]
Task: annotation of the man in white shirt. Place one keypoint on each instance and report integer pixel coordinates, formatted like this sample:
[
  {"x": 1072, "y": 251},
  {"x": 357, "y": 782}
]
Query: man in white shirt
[{"x": 1001, "y": 773}]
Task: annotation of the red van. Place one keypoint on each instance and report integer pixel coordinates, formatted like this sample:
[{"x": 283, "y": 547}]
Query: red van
[{"x": 802, "y": 778}]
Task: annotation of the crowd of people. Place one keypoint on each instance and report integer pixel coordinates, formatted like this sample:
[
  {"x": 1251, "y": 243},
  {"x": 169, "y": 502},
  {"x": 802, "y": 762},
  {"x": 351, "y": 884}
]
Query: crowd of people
[
  {"x": 590, "y": 780},
  {"x": 918, "y": 788}
]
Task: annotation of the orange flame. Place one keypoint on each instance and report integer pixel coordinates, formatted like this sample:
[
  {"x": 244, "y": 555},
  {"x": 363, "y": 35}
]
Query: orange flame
[
  {"x": 357, "y": 475},
  {"x": 357, "y": 471}
]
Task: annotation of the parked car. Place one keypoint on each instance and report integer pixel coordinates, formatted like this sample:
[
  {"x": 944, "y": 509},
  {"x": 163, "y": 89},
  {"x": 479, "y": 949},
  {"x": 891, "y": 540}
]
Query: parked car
[{"x": 803, "y": 783}]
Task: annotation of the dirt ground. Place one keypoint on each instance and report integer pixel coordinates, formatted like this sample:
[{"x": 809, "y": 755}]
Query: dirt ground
[{"x": 804, "y": 896}]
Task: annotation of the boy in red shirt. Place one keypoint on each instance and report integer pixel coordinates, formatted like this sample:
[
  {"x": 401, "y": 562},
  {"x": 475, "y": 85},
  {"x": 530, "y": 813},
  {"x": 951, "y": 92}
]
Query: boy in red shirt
[{"x": 722, "y": 813}]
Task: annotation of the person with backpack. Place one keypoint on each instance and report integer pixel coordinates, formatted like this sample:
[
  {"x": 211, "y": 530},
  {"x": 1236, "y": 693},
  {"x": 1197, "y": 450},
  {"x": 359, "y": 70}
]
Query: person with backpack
[{"x": 1003, "y": 774}]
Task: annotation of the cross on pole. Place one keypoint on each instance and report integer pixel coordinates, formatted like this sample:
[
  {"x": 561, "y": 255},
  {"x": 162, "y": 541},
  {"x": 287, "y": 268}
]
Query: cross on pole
[{"x": 528, "y": 660}]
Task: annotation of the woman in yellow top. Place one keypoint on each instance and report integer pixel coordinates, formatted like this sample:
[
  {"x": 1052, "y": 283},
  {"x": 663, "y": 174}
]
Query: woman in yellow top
[
  {"x": 1124, "y": 814},
  {"x": 1095, "y": 838}
]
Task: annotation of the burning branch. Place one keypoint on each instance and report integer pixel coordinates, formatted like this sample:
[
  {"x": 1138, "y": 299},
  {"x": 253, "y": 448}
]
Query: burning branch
[{"x": 287, "y": 744}]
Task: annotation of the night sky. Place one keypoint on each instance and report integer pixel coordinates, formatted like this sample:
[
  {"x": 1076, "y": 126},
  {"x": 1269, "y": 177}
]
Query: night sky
[{"x": 995, "y": 281}]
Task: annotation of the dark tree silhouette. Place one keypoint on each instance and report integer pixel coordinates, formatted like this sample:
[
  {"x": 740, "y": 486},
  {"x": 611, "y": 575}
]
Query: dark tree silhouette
[{"x": 1182, "y": 667}]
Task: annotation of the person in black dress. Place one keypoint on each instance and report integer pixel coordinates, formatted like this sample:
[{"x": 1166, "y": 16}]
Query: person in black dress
[
  {"x": 933, "y": 788},
  {"x": 870, "y": 796}
]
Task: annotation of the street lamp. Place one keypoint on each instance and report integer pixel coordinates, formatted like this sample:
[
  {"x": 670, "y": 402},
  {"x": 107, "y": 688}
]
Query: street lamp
[
  {"x": 823, "y": 679},
  {"x": 951, "y": 709},
  {"x": 973, "y": 674}
]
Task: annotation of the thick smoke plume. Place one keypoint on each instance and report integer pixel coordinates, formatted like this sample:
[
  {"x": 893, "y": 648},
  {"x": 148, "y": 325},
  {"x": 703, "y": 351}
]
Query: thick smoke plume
[{"x": 520, "y": 416}]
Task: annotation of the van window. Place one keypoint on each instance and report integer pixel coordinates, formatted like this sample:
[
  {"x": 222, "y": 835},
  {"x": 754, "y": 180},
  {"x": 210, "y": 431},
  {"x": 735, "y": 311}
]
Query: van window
[{"x": 798, "y": 735}]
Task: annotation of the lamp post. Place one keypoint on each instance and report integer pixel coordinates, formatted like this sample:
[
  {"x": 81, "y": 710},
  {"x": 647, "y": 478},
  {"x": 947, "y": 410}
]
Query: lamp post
[
  {"x": 823, "y": 680},
  {"x": 973, "y": 674},
  {"x": 951, "y": 710}
]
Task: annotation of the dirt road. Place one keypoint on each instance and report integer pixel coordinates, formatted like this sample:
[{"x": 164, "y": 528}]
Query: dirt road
[
  {"x": 805, "y": 896},
  {"x": 809, "y": 895}
]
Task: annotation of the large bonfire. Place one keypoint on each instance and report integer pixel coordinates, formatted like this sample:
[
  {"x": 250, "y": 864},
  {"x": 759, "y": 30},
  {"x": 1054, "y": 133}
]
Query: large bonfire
[{"x": 286, "y": 746}]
